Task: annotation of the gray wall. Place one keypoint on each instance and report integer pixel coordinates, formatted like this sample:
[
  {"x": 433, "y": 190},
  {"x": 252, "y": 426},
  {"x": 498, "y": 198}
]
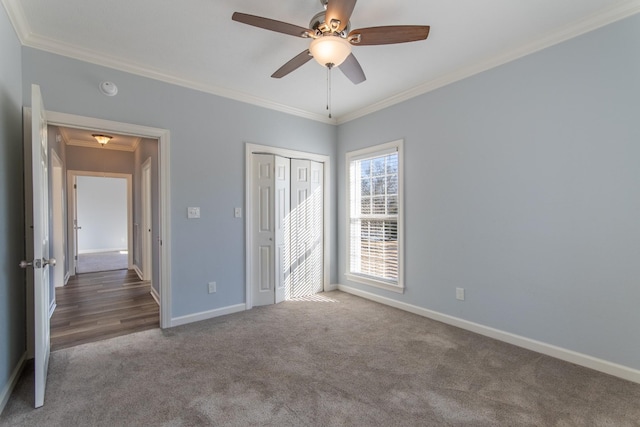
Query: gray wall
[
  {"x": 148, "y": 148},
  {"x": 208, "y": 135},
  {"x": 522, "y": 185},
  {"x": 97, "y": 159},
  {"x": 12, "y": 278}
]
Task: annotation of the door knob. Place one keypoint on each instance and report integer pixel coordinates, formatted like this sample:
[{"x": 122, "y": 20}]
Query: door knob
[{"x": 38, "y": 263}]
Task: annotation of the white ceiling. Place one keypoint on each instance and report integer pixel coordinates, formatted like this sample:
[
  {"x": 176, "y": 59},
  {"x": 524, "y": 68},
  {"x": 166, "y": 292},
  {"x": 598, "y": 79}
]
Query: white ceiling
[{"x": 195, "y": 43}]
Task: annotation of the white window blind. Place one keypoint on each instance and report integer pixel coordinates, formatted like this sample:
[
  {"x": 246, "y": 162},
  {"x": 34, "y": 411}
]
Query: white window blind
[{"x": 374, "y": 206}]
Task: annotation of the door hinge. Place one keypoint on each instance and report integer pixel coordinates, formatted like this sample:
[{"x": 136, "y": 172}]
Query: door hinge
[{"x": 75, "y": 186}]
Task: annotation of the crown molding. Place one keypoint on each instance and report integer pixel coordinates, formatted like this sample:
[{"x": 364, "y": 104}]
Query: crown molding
[
  {"x": 593, "y": 22},
  {"x": 18, "y": 19},
  {"x": 29, "y": 39},
  {"x": 104, "y": 60}
]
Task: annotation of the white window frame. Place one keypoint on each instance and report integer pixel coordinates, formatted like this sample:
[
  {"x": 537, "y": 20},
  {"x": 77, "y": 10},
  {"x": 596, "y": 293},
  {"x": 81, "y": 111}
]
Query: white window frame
[{"x": 369, "y": 152}]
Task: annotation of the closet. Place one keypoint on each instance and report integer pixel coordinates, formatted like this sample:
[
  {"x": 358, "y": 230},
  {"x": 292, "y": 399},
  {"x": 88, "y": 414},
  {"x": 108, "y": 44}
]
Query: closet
[{"x": 287, "y": 222}]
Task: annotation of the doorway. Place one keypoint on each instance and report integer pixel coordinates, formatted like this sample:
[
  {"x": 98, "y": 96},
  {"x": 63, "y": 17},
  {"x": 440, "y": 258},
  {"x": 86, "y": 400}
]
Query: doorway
[
  {"x": 100, "y": 221},
  {"x": 287, "y": 224},
  {"x": 105, "y": 296},
  {"x": 162, "y": 273}
]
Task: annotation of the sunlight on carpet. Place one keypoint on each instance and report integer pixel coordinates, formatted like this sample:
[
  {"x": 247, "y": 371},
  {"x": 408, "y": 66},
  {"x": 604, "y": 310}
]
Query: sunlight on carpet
[{"x": 313, "y": 298}]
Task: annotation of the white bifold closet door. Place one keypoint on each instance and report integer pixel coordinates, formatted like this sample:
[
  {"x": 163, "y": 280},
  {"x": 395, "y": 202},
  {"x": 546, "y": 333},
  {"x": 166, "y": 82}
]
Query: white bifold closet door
[
  {"x": 288, "y": 228},
  {"x": 306, "y": 228}
]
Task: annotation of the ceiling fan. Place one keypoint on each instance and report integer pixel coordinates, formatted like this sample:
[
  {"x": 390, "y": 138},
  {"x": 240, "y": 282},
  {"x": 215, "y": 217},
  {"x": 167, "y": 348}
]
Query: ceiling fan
[{"x": 332, "y": 38}]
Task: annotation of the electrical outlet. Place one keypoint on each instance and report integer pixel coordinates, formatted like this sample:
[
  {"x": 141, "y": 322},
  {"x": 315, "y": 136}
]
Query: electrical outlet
[
  {"x": 193, "y": 212},
  {"x": 460, "y": 294},
  {"x": 212, "y": 287}
]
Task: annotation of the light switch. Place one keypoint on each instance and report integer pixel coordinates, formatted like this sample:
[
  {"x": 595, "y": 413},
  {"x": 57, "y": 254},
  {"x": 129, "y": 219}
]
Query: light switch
[
  {"x": 237, "y": 213},
  {"x": 193, "y": 213}
]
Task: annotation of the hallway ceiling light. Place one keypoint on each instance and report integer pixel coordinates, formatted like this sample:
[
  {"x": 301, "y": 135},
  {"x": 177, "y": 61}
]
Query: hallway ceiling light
[{"x": 102, "y": 139}]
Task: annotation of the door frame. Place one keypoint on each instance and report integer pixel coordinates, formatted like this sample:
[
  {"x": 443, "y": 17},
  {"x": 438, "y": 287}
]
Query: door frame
[
  {"x": 164, "y": 202},
  {"x": 72, "y": 214},
  {"x": 146, "y": 243},
  {"x": 251, "y": 148},
  {"x": 60, "y": 276}
]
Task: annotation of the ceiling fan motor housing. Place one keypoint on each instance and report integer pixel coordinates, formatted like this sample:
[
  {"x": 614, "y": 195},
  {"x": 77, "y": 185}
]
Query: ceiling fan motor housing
[{"x": 320, "y": 26}]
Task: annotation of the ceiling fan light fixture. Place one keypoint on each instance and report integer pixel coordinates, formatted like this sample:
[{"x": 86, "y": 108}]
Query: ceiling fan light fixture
[
  {"x": 102, "y": 139},
  {"x": 330, "y": 49}
]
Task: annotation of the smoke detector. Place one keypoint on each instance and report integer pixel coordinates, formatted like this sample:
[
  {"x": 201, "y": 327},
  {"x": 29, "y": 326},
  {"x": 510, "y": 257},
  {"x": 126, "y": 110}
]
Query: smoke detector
[{"x": 108, "y": 88}]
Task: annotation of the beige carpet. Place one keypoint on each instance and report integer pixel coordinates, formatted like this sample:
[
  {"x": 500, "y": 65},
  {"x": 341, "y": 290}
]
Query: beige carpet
[{"x": 334, "y": 361}]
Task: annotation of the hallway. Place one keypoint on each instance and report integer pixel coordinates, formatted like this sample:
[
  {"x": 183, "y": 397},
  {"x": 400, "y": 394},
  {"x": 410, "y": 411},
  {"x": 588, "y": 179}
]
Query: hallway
[{"x": 96, "y": 306}]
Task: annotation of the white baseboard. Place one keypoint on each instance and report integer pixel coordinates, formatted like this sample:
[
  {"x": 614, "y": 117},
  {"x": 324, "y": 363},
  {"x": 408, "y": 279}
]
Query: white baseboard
[
  {"x": 138, "y": 272},
  {"x": 66, "y": 277},
  {"x": 571, "y": 356},
  {"x": 155, "y": 295},
  {"x": 52, "y": 308},
  {"x": 331, "y": 287},
  {"x": 204, "y": 315},
  {"x": 100, "y": 250},
  {"x": 13, "y": 380}
]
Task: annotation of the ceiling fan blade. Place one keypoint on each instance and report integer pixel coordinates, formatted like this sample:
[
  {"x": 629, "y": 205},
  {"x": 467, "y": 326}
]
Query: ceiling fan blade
[
  {"x": 298, "y": 61},
  {"x": 340, "y": 10},
  {"x": 388, "y": 35},
  {"x": 270, "y": 24},
  {"x": 352, "y": 69}
]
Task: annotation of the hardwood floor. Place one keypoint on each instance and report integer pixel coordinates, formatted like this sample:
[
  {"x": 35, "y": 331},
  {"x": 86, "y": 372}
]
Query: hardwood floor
[{"x": 97, "y": 306}]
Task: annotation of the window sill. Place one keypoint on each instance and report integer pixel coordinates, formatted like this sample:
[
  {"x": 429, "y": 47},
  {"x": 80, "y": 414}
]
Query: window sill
[{"x": 375, "y": 283}]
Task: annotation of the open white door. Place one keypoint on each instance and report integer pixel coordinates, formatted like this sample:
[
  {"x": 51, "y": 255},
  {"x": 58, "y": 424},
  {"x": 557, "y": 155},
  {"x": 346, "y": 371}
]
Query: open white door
[{"x": 40, "y": 261}]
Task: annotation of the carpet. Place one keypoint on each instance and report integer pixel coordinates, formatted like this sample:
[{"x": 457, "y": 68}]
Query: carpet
[
  {"x": 334, "y": 360},
  {"x": 102, "y": 261}
]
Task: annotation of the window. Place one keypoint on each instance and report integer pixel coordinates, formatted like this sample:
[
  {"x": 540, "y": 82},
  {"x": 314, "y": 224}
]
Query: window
[{"x": 375, "y": 210}]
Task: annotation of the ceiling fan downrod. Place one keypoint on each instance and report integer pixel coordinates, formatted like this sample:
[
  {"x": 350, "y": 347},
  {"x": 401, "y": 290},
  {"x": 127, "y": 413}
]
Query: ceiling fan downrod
[{"x": 329, "y": 67}]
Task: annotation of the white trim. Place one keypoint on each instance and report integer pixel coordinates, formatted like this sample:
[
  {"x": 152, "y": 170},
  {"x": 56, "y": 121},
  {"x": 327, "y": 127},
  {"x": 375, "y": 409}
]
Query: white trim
[
  {"x": 29, "y": 39},
  {"x": 155, "y": 295},
  {"x": 138, "y": 271},
  {"x": 377, "y": 150},
  {"x": 320, "y": 158},
  {"x": 71, "y": 196},
  {"x": 164, "y": 190},
  {"x": 571, "y": 356},
  {"x": 373, "y": 282},
  {"x": 146, "y": 218},
  {"x": 593, "y": 22},
  {"x": 52, "y": 308},
  {"x": 209, "y": 314},
  {"x": 97, "y": 251},
  {"x": 57, "y": 192},
  {"x": 13, "y": 380},
  {"x": 599, "y": 19},
  {"x": 67, "y": 276}
]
